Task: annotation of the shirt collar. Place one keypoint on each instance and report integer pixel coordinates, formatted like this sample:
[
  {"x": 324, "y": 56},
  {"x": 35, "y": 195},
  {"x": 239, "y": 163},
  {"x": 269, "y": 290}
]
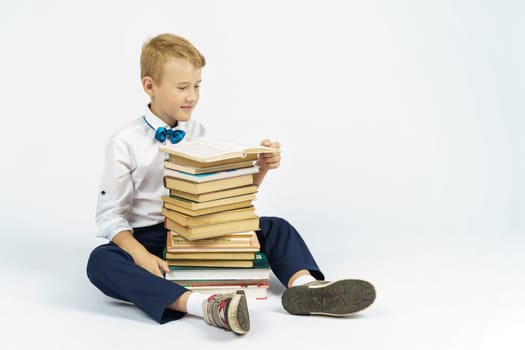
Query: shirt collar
[{"x": 156, "y": 122}]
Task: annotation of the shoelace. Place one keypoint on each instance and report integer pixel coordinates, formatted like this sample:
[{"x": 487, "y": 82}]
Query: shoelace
[{"x": 216, "y": 311}]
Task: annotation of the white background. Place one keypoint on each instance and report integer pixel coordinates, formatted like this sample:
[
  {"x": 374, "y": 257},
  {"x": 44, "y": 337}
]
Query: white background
[{"x": 402, "y": 130}]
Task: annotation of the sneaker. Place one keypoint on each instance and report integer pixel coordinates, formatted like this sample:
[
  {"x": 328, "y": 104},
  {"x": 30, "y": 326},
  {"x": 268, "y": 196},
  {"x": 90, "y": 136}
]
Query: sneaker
[
  {"x": 229, "y": 311},
  {"x": 338, "y": 298}
]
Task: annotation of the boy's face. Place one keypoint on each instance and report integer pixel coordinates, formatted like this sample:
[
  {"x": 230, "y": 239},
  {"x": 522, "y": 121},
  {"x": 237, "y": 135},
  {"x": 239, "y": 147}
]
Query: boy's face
[{"x": 175, "y": 97}]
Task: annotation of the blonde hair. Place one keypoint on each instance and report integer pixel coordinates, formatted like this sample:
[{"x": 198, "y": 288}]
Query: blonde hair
[{"x": 157, "y": 51}]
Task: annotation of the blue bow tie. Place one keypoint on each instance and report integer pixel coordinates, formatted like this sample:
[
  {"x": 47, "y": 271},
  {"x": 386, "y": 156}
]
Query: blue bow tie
[
  {"x": 161, "y": 133},
  {"x": 175, "y": 136}
]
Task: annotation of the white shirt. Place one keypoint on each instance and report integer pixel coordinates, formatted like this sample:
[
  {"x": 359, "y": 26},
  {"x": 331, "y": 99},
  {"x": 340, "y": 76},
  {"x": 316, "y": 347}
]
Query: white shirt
[{"x": 131, "y": 186}]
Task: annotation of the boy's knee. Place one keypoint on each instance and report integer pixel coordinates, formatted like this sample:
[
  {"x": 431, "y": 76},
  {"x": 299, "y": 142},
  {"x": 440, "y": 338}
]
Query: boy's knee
[
  {"x": 277, "y": 228},
  {"x": 99, "y": 259},
  {"x": 93, "y": 263},
  {"x": 273, "y": 222}
]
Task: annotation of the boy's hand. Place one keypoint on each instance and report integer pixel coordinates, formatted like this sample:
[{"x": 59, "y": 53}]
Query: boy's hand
[
  {"x": 140, "y": 254},
  {"x": 151, "y": 263},
  {"x": 269, "y": 161}
]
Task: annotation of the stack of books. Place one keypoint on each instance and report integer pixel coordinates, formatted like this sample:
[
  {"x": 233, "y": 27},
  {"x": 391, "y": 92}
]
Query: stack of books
[
  {"x": 219, "y": 264},
  {"x": 211, "y": 245}
]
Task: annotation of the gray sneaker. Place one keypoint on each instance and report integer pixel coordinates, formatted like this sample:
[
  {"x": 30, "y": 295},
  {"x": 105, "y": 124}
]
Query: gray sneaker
[
  {"x": 228, "y": 311},
  {"x": 338, "y": 298}
]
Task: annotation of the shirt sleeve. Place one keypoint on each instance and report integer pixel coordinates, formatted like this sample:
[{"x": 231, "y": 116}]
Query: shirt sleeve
[{"x": 116, "y": 190}]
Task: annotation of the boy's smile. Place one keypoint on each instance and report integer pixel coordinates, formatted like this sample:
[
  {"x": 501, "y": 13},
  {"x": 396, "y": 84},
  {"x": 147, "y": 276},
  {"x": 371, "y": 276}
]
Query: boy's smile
[{"x": 177, "y": 94}]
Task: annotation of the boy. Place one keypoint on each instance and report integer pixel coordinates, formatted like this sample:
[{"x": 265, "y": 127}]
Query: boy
[{"x": 130, "y": 266}]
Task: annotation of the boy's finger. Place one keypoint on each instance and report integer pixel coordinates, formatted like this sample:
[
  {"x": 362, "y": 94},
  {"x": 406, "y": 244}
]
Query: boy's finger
[
  {"x": 271, "y": 160},
  {"x": 267, "y": 155},
  {"x": 164, "y": 265}
]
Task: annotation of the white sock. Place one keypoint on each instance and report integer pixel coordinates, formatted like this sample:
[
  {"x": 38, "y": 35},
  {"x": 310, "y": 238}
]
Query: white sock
[
  {"x": 302, "y": 280},
  {"x": 194, "y": 305}
]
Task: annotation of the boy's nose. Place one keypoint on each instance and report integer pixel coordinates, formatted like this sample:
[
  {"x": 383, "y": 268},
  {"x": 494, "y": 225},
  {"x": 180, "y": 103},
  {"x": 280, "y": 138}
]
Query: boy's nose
[{"x": 191, "y": 95}]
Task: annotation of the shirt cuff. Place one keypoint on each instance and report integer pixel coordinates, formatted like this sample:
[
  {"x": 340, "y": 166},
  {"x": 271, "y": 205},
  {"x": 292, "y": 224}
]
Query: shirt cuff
[{"x": 112, "y": 230}]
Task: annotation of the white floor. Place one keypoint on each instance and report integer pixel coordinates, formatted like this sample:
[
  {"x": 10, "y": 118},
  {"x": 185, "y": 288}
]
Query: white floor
[{"x": 434, "y": 292}]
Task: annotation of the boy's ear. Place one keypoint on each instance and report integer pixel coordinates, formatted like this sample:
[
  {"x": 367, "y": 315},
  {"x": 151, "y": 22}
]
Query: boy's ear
[{"x": 148, "y": 85}]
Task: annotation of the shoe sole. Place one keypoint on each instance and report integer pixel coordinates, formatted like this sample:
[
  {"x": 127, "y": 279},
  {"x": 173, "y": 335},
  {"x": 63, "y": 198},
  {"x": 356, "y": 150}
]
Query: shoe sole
[
  {"x": 238, "y": 316},
  {"x": 339, "y": 298}
]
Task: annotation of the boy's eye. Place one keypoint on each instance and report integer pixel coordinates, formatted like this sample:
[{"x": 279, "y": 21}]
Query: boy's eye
[{"x": 182, "y": 88}]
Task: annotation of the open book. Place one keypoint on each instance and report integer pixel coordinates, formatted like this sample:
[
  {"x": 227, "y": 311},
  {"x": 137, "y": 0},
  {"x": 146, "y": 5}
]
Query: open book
[{"x": 206, "y": 150}]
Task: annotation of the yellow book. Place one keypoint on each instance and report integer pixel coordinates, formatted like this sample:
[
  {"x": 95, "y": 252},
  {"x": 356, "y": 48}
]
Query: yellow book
[
  {"x": 209, "y": 210},
  {"x": 211, "y": 256},
  {"x": 186, "y": 203},
  {"x": 168, "y": 164},
  {"x": 207, "y": 177},
  {"x": 208, "y": 219},
  {"x": 203, "y": 165},
  {"x": 234, "y": 242},
  {"x": 210, "y": 196},
  {"x": 210, "y": 263},
  {"x": 214, "y": 230},
  {"x": 210, "y": 186}
]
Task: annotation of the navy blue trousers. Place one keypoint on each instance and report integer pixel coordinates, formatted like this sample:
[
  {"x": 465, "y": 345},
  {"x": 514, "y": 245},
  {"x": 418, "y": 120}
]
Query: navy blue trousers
[{"x": 114, "y": 272}]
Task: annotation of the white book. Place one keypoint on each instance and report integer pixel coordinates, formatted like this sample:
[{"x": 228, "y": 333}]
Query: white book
[
  {"x": 210, "y": 176},
  {"x": 218, "y": 274}
]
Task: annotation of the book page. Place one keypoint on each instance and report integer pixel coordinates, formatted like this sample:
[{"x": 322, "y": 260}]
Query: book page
[{"x": 205, "y": 148}]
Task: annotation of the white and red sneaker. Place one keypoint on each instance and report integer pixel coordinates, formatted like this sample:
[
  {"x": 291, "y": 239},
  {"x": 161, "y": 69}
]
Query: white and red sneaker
[{"x": 228, "y": 311}]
